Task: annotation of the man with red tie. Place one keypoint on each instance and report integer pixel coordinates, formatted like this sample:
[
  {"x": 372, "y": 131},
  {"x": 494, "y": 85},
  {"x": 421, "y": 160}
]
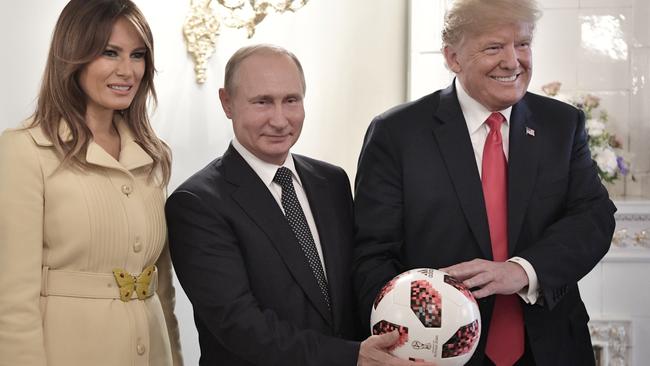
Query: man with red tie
[{"x": 492, "y": 184}]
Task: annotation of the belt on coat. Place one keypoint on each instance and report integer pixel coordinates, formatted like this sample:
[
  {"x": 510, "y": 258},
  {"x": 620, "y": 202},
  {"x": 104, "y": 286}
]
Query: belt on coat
[{"x": 92, "y": 285}]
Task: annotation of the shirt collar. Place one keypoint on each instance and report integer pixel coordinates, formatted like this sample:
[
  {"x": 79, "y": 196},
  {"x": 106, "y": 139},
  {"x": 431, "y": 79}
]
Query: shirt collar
[
  {"x": 474, "y": 112},
  {"x": 266, "y": 171}
]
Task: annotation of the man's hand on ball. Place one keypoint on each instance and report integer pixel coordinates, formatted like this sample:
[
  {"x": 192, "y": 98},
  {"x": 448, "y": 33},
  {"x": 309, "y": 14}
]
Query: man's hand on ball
[
  {"x": 374, "y": 352},
  {"x": 487, "y": 278}
]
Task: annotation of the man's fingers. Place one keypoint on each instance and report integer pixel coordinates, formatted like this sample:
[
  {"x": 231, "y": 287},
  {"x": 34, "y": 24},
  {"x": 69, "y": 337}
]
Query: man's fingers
[
  {"x": 459, "y": 271},
  {"x": 479, "y": 280},
  {"x": 386, "y": 340},
  {"x": 465, "y": 270},
  {"x": 484, "y": 292},
  {"x": 374, "y": 352}
]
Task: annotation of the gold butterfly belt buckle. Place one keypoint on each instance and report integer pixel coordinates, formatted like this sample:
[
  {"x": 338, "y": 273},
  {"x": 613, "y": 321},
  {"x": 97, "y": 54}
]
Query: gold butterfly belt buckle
[{"x": 129, "y": 283}]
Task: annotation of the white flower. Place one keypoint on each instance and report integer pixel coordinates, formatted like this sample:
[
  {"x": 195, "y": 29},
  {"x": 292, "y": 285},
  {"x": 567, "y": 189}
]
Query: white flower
[
  {"x": 605, "y": 157},
  {"x": 604, "y": 146},
  {"x": 595, "y": 127}
]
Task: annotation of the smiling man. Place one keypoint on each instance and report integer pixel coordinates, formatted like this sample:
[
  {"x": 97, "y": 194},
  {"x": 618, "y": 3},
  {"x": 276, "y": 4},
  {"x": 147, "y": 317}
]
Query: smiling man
[
  {"x": 492, "y": 184},
  {"x": 262, "y": 239}
]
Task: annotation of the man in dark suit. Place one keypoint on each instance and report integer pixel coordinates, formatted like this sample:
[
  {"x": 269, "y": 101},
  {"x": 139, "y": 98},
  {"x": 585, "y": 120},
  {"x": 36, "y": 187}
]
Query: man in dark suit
[
  {"x": 492, "y": 184},
  {"x": 261, "y": 239}
]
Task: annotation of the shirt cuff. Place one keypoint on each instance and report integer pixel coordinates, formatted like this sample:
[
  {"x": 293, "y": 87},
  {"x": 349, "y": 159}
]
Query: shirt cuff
[{"x": 530, "y": 293}]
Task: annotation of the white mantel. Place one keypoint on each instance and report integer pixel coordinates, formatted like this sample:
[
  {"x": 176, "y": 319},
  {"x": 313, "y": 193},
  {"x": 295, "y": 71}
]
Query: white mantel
[{"x": 617, "y": 291}]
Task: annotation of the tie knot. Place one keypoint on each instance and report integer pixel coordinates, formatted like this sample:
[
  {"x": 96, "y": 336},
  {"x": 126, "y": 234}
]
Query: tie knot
[
  {"x": 494, "y": 121},
  {"x": 282, "y": 176}
]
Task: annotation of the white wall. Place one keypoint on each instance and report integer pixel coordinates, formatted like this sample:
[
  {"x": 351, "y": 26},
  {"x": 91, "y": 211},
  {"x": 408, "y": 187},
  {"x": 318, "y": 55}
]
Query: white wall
[{"x": 353, "y": 53}]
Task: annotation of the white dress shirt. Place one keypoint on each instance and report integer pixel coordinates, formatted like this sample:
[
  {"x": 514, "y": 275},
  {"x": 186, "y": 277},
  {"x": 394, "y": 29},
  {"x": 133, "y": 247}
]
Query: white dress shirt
[
  {"x": 475, "y": 115},
  {"x": 266, "y": 172}
]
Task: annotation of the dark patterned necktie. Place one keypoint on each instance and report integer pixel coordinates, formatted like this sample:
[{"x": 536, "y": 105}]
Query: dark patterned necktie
[
  {"x": 296, "y": 217},
  {"x": 505, "y": 340}
]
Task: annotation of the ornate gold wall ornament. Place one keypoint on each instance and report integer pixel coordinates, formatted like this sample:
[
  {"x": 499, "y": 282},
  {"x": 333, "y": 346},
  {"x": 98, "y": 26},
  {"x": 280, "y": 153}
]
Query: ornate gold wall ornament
[
  {"x": 202, "y": 25},
  {"x": 249, "y": 13},
  {"x": 201, "y": 29}
]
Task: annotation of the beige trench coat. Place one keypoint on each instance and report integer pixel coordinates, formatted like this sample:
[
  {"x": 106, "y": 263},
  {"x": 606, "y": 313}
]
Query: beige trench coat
[{"x": 81, "y": 224}]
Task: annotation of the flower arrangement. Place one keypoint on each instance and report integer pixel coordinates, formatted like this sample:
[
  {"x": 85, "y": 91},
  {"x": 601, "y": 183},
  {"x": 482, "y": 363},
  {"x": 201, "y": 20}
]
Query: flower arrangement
[{"x": 605, "y": 146}]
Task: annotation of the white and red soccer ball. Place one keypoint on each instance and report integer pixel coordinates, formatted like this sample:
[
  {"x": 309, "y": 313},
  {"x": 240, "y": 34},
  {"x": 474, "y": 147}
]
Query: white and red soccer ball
[{"x": 436, "y": 315}]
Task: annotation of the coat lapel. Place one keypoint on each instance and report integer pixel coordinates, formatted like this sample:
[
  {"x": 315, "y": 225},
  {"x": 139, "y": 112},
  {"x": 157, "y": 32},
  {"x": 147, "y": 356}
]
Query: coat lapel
[
  {"x": 450, "y": 131},
  {"x": 523, "y": 160},
  {"x": 258, "y": 203},
  {"x": 132, "y": 156}
]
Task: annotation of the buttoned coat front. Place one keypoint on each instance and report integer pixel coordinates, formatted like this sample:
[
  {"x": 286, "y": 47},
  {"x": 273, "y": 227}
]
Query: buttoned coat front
[{"x": 88, "y": 220}]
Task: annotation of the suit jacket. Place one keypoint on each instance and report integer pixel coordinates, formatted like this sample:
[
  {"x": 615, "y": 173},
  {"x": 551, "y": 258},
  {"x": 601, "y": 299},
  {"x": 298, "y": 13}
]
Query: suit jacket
[
  {"x": 419, "y": 203},
  {"x": 255, "y": 299}
]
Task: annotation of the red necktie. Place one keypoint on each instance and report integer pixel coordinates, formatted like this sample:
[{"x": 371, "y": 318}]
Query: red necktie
[{"x": 505, "y": 342}]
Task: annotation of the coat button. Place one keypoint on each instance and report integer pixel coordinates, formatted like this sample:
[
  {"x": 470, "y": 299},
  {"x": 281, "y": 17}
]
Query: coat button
[
  {"x": 126, "y": 189},
  {"x": 137, "y": 246},
  {"x": 140, "y": 348}
]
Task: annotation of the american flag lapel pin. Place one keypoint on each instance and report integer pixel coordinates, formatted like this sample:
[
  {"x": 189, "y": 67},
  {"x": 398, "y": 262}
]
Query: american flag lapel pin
[{"x": 530, "y": 132}]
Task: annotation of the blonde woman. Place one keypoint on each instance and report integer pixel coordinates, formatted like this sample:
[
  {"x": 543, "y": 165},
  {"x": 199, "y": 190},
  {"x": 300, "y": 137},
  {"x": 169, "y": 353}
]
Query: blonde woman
[{"x": 85, "y": 274}]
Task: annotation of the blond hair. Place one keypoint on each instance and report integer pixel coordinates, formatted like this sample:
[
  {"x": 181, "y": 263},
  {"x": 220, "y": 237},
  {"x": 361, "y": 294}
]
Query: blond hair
[
  {"x": 80, "y": 36},
  {"x": 241, "y": 54},
  {"x": 471, "y": 16}
]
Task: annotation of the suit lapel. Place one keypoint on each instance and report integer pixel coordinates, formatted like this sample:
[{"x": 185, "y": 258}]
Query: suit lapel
[
  {"x": 258, "y": 203},
  {"x": 522, "y": 168},
  {"x": 324, "y": 213},
  {"x": 450, "y": 131}
]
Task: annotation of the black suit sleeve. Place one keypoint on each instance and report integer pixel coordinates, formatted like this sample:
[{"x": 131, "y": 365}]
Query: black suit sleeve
[
  {"x": 211, "y": 269},
  {"x": 378, "y": 217},
  {"x": 572, "y": 245}
]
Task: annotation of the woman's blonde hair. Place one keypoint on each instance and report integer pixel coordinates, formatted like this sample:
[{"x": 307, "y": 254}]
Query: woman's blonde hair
[
  {"x": 471, "y": 16},
  {"x": 80, "y": 36}
]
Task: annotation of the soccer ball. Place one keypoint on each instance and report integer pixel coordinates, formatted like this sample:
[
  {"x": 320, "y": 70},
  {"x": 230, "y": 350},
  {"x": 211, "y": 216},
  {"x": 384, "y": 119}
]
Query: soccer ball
[{"x": 435, "y": 314}]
